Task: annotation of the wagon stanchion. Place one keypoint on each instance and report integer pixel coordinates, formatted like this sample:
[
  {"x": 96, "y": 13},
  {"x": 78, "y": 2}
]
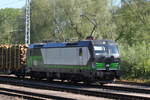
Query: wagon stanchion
[{"x": 12, "y": 57}]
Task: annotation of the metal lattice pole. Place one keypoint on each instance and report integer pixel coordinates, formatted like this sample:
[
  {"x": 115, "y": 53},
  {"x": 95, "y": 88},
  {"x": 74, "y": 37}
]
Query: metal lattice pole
[{"x": 27, "y": 28}]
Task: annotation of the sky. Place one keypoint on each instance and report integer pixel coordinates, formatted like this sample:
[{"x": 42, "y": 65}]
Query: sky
[
  {"x": 12, "y": 3},
  {"x": 117, "y": 2}
]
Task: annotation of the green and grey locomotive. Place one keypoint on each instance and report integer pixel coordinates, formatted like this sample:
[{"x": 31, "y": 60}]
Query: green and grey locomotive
[{"x": 82, "y": 61}]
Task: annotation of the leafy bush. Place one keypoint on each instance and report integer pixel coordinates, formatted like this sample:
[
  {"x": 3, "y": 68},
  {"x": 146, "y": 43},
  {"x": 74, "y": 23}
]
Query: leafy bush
[{"x": 135, "y": 60}]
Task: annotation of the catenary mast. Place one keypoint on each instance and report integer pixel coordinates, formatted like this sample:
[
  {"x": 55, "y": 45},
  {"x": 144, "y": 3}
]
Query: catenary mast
[{"x": 27, "y": 27}]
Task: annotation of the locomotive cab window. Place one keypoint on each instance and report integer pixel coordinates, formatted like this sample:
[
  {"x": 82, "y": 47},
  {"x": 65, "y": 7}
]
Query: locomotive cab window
[
  {"x": 80, "y": 52},
  {"x": 99, "y": 50}
]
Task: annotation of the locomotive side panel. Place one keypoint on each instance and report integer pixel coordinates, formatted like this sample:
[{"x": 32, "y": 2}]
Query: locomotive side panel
[{"x": 65, "y": 56}]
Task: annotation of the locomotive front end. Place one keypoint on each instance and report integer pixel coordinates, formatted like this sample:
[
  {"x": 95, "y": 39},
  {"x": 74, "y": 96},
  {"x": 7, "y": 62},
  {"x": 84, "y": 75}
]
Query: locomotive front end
[{"x": 107, "y": 60}]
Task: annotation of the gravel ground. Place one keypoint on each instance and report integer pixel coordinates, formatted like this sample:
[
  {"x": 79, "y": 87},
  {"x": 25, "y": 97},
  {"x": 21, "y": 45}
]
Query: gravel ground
[
  {"x": 4, "y": 97},
  {"x": 49, "y": 92}
]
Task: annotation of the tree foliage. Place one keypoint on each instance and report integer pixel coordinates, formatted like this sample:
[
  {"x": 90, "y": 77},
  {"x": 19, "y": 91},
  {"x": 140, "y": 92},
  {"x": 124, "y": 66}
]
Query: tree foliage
[
  {"x": 132, "y": 22},
  {"x": 136, "y": 60},
  {"x": 11, "y": 25},
  {"x": 71, "y": 19}
]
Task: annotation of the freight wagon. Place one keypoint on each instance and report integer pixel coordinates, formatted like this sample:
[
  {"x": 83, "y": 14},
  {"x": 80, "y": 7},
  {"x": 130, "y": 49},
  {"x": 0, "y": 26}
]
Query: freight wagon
[{"x": 12, "y": 58}]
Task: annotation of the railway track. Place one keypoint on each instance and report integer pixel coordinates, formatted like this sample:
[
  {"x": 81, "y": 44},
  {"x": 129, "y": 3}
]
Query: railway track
[
  {"x": 108, "y": 91},
  {"x": 29, "y": 95}
]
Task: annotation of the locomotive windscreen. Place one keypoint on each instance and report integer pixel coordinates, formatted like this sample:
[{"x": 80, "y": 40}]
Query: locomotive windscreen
[{"x": 106, "y": 48}]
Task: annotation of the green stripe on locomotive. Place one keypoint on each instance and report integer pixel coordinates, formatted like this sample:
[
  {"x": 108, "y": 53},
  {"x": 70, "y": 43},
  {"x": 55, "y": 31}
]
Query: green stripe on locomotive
[
  {"x": 100, "y": 65},
  {"x": 112, "y": 66},
  {"x": 30, "y": 60}
]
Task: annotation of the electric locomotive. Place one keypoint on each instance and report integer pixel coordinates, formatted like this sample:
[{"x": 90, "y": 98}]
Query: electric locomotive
[{"x": 82, "y": 61}]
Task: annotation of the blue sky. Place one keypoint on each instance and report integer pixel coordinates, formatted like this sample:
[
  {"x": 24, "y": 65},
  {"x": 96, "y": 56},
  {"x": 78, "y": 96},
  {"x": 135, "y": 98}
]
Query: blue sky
[
  {"x": 117, "y": 2},
  {"x": 12, "y": 3}
]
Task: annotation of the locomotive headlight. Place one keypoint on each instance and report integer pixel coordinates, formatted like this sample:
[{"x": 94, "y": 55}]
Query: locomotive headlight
[{"x": 107, "y": 65}]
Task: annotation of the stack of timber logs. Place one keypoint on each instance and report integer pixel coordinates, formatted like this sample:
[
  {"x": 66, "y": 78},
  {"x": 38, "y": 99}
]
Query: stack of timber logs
[{"x": 12, "y": 57}]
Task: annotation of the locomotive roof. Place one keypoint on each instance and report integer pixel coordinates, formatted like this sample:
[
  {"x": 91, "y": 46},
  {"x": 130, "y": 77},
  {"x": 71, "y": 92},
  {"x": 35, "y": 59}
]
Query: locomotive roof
[
  {"x": 86, "y": 43},
  {"x": 62, "y": 44},
  {"x": 104, "y": 42},
  {"x": 36, "y": 45}
]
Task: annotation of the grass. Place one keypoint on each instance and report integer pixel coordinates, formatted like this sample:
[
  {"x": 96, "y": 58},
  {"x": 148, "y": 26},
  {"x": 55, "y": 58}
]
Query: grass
[{"x": 136, "y": 80}]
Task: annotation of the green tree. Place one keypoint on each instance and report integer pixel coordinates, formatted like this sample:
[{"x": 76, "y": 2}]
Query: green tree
[
  {"x": 41, "y": 20},
  {"x": 133, "y": 21},
  {"x": 71, "y": 19},
  {"x": 10, "y": 21}
]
